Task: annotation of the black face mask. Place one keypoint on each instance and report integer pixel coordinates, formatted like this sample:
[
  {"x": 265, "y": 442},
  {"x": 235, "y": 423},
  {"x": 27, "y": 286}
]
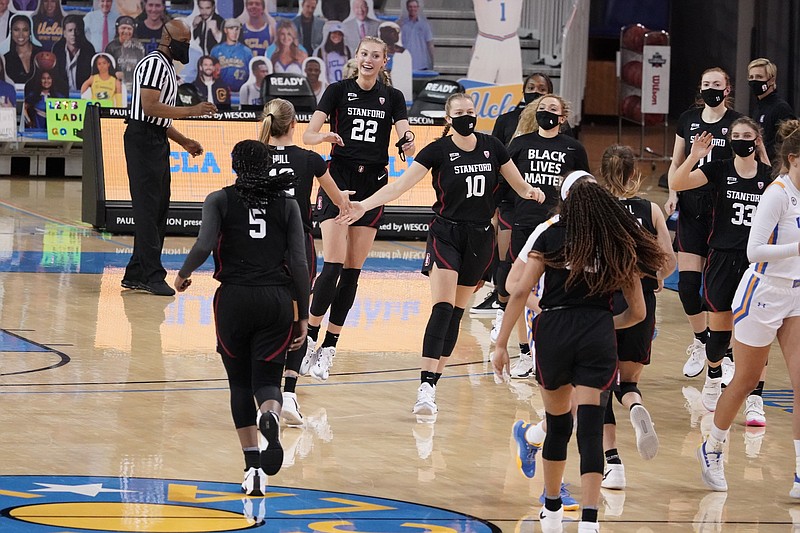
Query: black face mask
[
  {"x": 712, "y": 97},
  {"x": 530, "y": 97},
  {"x": 758, "y": 87},
  {"x": 547, "y": 120},
  {"x": 743, "y": 148},
  {"x": 465, "y": 124},
  {"x": 178, "y": 49}
]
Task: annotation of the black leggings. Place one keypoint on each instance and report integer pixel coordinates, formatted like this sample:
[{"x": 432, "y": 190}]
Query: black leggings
[{"x": 248, "y": 378}]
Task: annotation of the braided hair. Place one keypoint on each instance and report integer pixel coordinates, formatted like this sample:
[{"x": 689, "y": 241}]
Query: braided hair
[
  {"x": 256, "y": 181},
  {"x": 605, "y": 246}
]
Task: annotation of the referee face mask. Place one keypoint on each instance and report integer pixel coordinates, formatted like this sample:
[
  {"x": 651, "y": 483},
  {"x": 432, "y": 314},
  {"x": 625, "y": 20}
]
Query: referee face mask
[{"x": 178, "y": 49}]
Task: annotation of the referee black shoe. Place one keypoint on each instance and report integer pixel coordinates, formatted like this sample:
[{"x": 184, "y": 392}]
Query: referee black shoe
[
  {"x": 130, "y": 284},
  {"x": 159, "y": 288},
  {"x": 487, "y": 307}
]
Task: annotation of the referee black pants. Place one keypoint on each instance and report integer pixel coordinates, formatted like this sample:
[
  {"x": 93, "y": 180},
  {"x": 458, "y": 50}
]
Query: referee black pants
[{"x": 147, "y": 157}]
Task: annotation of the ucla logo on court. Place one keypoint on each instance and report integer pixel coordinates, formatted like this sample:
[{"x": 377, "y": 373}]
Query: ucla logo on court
[{"x": 63, "y": 504}]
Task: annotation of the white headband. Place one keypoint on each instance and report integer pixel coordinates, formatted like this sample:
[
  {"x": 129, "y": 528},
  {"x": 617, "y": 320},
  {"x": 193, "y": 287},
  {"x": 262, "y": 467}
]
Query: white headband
[{"x": 570, "y": 180}]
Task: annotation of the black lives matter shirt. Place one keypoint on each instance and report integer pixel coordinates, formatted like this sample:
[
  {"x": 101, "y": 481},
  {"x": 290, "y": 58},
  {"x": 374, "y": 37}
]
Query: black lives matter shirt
[
  {"x": 465, "y": 182},
  {"x": 543, "y": 163},
  {"x": 691, "y": 124},
  {"x": 556, "y": 293},
  {"x": 306, "y": 165},
  {"x": 363, "y": 119},
  {"x": 735, "y": 200}
]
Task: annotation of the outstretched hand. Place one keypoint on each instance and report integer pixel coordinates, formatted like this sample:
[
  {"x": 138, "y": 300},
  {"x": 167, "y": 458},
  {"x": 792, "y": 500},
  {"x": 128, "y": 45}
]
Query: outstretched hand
[
  {"x": 352, "y": 215},
  {"x": 702, "y": 145}
]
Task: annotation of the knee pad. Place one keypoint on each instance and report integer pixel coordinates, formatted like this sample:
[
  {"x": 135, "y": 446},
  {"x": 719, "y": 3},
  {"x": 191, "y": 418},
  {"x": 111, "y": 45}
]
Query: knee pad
[
  {"x": 624, "y": 388},
  {"x": 590, "y": 438},
  {"x": 689, "y": 284},
  {"x": 325, "y": 288},
  {"x": 268, "y": 392},
  {"x": 436, "y": 331},
  {"x": 609, "y": 417},
  {"x": 503, "y": 268},
  {"x": 345, "y": 295},
  {"x": 559, "y": 431},
  {"x": 716, "y": 345},
  {"x": 267, "y": 377},
  {"x": 452, "y": 332}
]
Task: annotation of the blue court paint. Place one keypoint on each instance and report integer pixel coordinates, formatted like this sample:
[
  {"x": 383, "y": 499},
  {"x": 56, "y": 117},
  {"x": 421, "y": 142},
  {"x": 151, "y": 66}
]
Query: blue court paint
[
  {"x": 12, "y": 343},
  {"x": 51, "y": 504},
  {"x": 780, "y": 398},
  {"x": 94, "y": 262}
]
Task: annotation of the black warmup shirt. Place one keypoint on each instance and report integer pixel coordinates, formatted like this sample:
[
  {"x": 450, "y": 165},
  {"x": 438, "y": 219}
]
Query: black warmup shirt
[
  {"x": 555, "y": 292},
  {"x": 465, "y": 182},
  {"x": 251, "y": 246},
  {"x": 543, "y": 163},
  {"x": 363, "y": 119},
  {"x": 642, "y": 210},
  {"x": 735, "y": 202},
  {"x": 691, "y": 124},
  {"x": 306, "y": 165},
  {"x": 768, "y": 112}
]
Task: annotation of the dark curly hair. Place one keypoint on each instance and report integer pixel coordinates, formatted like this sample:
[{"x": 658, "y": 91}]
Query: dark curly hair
[{"x": 257, "y": 181}]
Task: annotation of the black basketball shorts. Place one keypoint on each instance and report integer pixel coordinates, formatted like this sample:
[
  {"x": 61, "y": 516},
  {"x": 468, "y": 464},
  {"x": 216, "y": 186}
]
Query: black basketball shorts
[
  {"x": 254, "y": 322},
  {"x": 576, "y": 346},
  {"x": 694, "y": 222},
  {"x": 364, "y": 182},
  {"x": 634, "y": 343},
  {"x": 466, "y": 248},
  {"x": 723, "y": 272}
]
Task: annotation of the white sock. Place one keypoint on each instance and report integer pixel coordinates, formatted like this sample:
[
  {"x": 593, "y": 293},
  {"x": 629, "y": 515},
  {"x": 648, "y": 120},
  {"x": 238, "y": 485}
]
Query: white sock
[
  {"x": 717, "y": 437},
  {"x": 797, "y": 456},
  {"x": 535, "y": 434}
]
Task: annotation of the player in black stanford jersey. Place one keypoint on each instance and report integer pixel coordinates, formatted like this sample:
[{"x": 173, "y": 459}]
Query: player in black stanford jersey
[
  {"x": 362, "y": 111},
  {"x": 594, "y": 249},
  {"x": 619, "y": 176},
  {"x": 736, "y": 185},
  {"x": 712, "y": 114},
  {"x": 466, "y": 169},
  {"x": 543, "y": 156},
  {"x": 255, "y": 233},
  {"x": 277, "y": 132}
]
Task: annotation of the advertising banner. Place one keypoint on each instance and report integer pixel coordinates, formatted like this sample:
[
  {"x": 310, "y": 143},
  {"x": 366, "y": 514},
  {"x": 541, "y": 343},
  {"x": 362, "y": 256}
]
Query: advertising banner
[{"x": 655, "y": 79}]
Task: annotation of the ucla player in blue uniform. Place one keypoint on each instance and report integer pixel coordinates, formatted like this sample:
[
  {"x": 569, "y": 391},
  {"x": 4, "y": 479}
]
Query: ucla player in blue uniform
[
  {"x": 255, "y": 232},
  {"x": 362, "y": 111},
  {"x": 234, "y": 57},
  {"x": 466, "y": 169},
  {"x": 736, "y": 186}
]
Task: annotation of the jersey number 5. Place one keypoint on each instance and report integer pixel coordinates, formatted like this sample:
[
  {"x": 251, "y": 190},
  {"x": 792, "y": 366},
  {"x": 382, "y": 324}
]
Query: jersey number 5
[
  {"x": 258, "y": 226},
  {"x": 476, "y": 185},
  {"x": 364, "y": 130},
  {"x": 744, "y": 214}
]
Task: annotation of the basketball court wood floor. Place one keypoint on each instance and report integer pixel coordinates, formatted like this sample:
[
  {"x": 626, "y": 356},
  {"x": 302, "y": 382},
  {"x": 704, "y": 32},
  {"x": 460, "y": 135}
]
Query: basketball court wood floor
[{"x": 114, "y": 409}]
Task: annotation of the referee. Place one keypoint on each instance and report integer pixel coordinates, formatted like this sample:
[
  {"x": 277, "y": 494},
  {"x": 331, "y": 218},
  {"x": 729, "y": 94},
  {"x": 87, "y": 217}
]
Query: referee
[{"x": 146, "y": 141}]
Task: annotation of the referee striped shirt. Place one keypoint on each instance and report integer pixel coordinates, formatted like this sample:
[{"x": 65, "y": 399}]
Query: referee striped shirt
[{"x": 154, "y": 71}]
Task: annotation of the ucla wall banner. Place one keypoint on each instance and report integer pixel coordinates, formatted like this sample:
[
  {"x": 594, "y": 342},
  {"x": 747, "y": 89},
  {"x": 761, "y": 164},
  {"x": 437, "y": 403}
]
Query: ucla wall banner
[{"x": 59, "y": 504}]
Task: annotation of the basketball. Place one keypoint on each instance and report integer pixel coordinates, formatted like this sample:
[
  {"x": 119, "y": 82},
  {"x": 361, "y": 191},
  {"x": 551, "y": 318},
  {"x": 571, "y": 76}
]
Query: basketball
[
  {"x": 657, "y": 38},
  {"x": 632, "y": 107},
  {"x": 651, "y": 119},
  {"x": 633, "y": 37},
  {"x": 45, "y": 60},
  {"x": 632, "y": 73}
]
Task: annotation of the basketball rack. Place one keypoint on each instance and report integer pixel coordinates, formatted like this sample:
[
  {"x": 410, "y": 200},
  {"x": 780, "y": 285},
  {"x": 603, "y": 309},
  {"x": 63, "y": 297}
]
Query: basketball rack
[{"x": 643, "y": 64}]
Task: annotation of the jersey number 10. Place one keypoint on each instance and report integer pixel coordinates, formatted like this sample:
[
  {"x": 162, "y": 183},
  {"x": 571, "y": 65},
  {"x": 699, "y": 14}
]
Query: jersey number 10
[{"x": 476, "y": 185}]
